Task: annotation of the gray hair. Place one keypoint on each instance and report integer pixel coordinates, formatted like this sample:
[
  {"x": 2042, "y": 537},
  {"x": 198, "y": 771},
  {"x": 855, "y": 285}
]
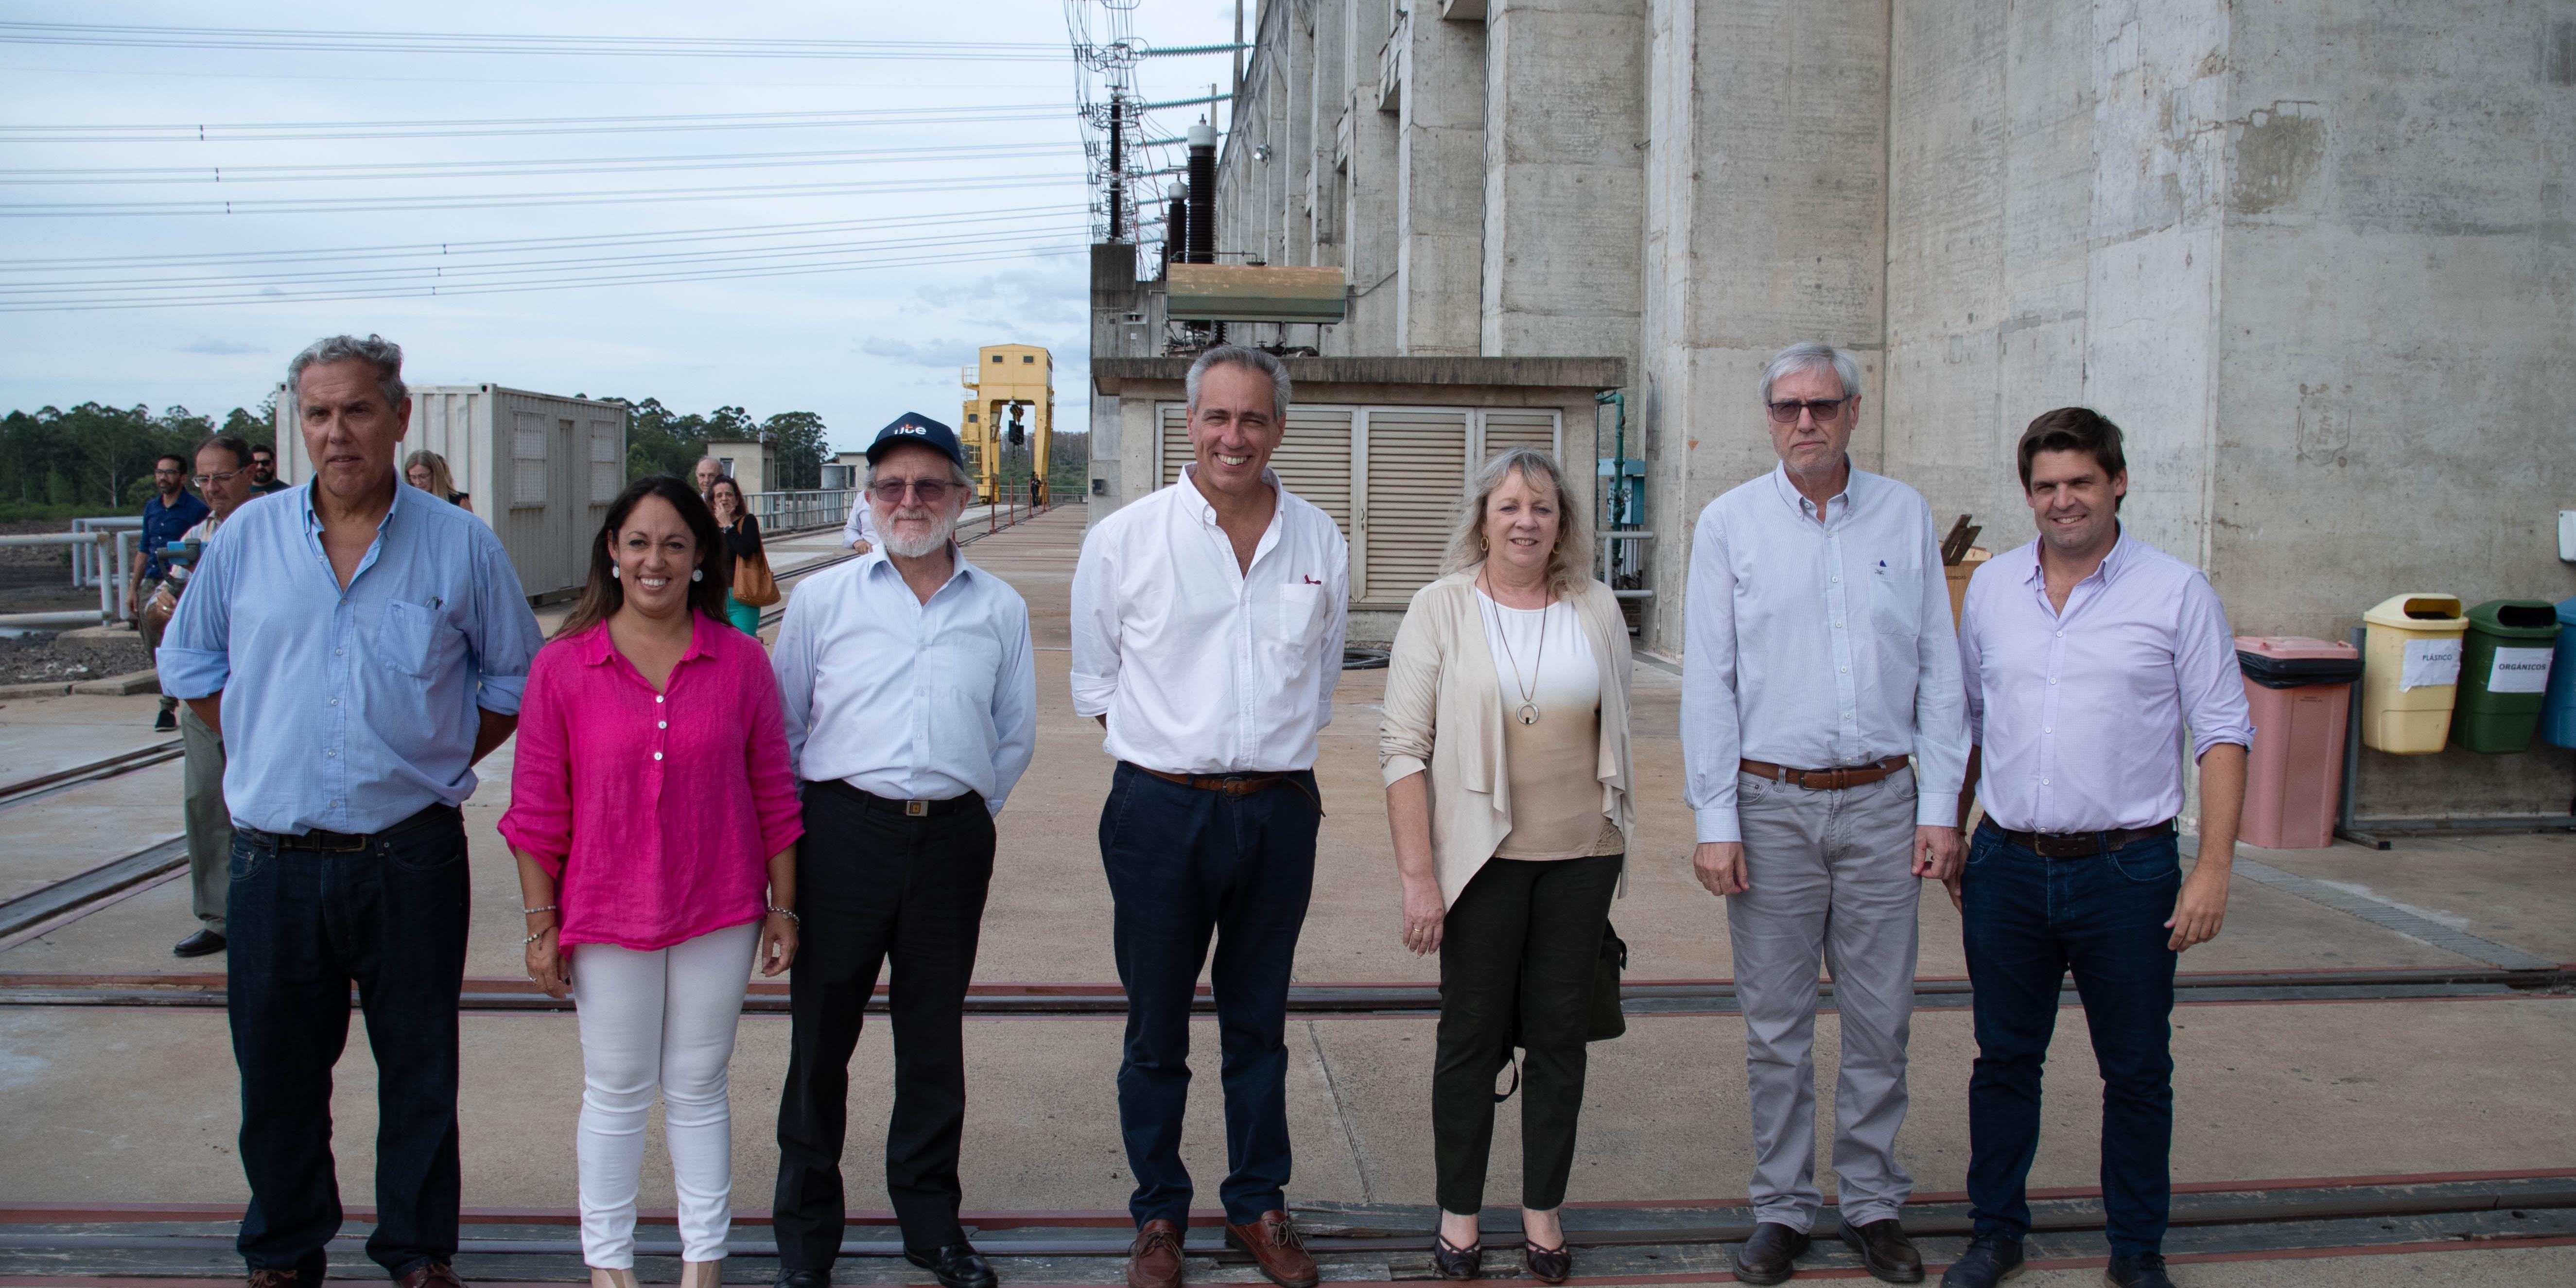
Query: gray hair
[
  {"x": 376, "y": 351},
  {"x": 1236, "y": 355},
  {"x": 1569, "y": 565},
  {"x": 1812, "y": 355}
]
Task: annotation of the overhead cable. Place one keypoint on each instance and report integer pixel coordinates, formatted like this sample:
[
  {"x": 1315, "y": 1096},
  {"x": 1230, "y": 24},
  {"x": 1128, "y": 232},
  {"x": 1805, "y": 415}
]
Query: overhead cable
[
  {"x": 429, "y": 42},
  {"x": 513, "y": 200},
  {"x": 513, "y": 127}
]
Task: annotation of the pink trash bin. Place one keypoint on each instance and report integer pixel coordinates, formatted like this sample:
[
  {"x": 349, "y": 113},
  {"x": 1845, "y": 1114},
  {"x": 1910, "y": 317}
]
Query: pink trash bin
[{"x": 2299, "y": 694}]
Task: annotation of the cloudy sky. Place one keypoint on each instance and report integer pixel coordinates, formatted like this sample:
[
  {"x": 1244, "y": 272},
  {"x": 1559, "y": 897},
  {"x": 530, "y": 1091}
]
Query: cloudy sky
[{"x": 821, "y": 219}]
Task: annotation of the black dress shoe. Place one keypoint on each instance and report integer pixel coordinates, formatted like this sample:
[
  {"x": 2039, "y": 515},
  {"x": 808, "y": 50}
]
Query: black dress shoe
[
  {"x": 1548, "y": 1265},
  {"x": 1449, "y": 1261},
  {"x": 1989, "y": 1260},
  {"x": 1771, "y": 1255},
  {"x": 958, "y": 1265},
  {"x": 803, "y": 1278},
  {"x": 199, "y": 944},
  {"x": 166, "y": 722},
  {"x": 1885, "y": 1251},
  {"x": 2146, "y": 1271}
]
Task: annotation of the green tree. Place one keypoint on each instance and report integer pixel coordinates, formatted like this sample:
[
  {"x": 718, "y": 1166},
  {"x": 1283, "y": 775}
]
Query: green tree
[{"x": 798, "y": 437}]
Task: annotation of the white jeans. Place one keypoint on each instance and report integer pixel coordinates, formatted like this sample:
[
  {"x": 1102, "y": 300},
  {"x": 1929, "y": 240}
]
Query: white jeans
[{"x": 660, "y": 1019}]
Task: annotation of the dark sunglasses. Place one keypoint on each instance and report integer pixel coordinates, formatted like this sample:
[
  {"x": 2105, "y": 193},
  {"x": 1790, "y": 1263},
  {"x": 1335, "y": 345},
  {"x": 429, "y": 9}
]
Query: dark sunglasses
[
  {"x": 930, "y": 491},
  {"x": 1786, "y": 411}
]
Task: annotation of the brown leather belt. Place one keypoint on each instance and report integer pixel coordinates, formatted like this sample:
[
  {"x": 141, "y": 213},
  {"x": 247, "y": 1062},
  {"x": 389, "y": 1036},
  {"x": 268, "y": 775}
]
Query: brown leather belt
[
  {"x": 1232, "y": 784},
  {"x": 2082, "y": 845},
  {"x": 1824, "y": 780}
]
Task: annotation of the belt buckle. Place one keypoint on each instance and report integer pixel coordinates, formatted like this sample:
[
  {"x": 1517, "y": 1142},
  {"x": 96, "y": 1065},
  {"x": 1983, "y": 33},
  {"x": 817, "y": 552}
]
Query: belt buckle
[{"x": 916, "y": 809}]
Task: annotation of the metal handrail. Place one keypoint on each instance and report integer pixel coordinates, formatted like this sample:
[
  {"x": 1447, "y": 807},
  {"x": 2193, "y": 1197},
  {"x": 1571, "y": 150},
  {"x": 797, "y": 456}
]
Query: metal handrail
[{"x": 802, "y": 509}]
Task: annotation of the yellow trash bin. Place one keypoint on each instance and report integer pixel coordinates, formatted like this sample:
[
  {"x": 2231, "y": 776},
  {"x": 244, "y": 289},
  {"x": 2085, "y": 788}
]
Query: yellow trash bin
[{"x": 2410, "y": 674}]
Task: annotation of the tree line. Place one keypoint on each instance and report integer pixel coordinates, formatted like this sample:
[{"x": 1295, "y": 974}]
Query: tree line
[{"x": 97, "y": 459}]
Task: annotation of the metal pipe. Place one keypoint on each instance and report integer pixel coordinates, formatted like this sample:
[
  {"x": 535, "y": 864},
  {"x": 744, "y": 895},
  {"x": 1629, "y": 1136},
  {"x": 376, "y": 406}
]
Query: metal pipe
[
  {"x": 1202, "y": 196},
  {"x": 43, "y": 621},
  {"x": 1117, "y": 164}
]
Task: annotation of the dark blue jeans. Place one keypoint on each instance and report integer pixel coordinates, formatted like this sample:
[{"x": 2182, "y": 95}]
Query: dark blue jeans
[
  {"x": 1183, "y": 865},
  {"x": 303, "y": 927},
  {"x": 2027, "y": 921}
]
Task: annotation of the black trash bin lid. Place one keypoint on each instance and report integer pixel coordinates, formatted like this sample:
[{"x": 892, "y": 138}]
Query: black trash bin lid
[{"x": 2297, "y": 672}]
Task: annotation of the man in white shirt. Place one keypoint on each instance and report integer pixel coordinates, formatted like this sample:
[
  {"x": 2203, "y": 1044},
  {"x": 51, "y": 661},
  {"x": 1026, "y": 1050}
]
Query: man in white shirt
[
  {"x": 1818, "y": 656},
  {"x": 1207, "y": 638},
  {"x": 911, "y": 697}
]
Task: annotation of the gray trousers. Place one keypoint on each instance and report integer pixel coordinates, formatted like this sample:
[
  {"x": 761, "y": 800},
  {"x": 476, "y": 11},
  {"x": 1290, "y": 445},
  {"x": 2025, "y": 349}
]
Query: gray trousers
[
  {"x": 1832, "y": 882},
  {"x": 210, "y": 822}
]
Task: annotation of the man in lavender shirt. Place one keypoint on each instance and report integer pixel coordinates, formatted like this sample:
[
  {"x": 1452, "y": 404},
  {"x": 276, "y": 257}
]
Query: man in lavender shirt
[{"x": 2086, "y": 654}]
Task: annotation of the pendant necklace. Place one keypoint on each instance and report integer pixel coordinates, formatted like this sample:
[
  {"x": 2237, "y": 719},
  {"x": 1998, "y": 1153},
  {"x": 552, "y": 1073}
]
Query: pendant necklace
[{"x": 1528, "y": 713}]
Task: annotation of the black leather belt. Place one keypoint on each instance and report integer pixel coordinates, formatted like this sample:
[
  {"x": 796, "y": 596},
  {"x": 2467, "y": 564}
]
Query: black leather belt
[
  {"x": 2081, "y": 845},
  {"x": 323, "y": 841},
  {"x": 891, "y": 805}
]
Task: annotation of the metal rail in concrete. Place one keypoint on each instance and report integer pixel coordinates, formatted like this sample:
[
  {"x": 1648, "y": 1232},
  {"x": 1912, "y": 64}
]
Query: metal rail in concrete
[{"x": 122, "y": 763}]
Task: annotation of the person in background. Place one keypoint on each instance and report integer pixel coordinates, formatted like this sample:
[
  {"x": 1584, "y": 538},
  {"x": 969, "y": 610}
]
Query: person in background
[
  {"x": 1505, "y": 750},
  {"x": 1207, "y": 639},
  {"x": 167, "y": 515},
  {"x": 224, "y": 478},
  {"x": 653, "y": 814},
  {"x": 705, "y": 473},
  {"x": 428, "y": 472},
  {"x": 741, "y": 531},
  {"x": 263, "y": 471},
  {"x": 911, "y": 694},
  {"x": 358, "y": 650},
  {"x": 2087, "y": 653},
  {"x": 1819, "y": 658}
]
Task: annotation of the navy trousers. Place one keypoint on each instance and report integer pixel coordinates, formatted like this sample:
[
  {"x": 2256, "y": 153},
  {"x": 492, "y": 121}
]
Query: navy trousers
[
  {"x": 2028, "y": 920},
  {"x": 1185, "y": 865},
  {"x": 303, "y": 926}
]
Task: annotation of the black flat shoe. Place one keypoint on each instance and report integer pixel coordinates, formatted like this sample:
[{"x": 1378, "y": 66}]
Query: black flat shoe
[
  {"x": 802, "y": 1278},
  {"x": 1549, "y": 1265},
  {"x": 1450, "y": 1261},
  {"x": 200, "y": 944},
  {"x": 958, "y": 1265}
]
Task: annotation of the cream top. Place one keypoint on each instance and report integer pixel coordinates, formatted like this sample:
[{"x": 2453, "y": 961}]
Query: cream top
[{"x": 1542, "y": 660}]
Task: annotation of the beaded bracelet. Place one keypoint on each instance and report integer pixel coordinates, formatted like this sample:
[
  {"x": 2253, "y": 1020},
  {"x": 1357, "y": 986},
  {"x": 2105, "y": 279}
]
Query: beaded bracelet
[
  {"x": 530, "y": 912},
  {"x": 791, "y": 917},
  {"x": 537, "y": 936}
]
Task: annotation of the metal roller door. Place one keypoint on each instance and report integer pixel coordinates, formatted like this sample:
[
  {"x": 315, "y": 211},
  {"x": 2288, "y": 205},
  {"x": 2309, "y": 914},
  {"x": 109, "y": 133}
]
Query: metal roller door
[{"x": 1416, "y": 467}]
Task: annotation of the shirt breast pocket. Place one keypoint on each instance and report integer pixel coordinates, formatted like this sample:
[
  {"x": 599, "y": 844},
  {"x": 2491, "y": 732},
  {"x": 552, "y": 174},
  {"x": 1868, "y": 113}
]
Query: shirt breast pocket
[
  {"x": 1299, "y": 620},
  {"x": 1896, "y": 600},
  {"x": 415, "y": 640}
]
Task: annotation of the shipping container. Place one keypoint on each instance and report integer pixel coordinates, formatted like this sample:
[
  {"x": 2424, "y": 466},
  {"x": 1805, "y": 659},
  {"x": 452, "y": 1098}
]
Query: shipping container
[{"x": 539, "y": 468}]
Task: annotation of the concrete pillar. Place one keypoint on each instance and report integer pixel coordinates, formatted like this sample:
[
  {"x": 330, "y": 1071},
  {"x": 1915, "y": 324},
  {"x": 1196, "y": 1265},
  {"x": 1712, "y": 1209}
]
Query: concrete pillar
[
  {"x": 1296, "y": 133},
  {"x": 1440, "y": 189},
  {"x": 1368, "y": 149},
  {"x": 1328, "y": 65},
  {"x": 1565, "y": 175},
  {"x": 1765, "y": 225}
]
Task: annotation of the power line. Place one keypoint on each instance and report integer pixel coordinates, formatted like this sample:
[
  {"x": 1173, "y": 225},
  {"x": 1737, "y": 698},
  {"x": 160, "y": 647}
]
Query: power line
[
  {"x": 425, "y": 42},
  {"x": 512, "y": 200},
  {"x": 514, "y": 127},
  {"x": 515, "y": 168}
]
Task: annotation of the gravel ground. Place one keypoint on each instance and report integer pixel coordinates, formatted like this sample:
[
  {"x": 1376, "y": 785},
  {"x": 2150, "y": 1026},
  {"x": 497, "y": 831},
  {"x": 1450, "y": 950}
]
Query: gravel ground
[{"x": 34, "y": 658}]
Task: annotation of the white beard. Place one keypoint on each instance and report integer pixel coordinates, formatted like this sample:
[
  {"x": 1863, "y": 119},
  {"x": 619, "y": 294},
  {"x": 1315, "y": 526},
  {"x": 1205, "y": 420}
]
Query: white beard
[{"x": 912, "y": 548}]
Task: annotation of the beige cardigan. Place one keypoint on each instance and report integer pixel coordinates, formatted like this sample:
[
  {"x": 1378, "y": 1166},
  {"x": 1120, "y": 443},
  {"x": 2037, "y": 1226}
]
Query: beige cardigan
[{"x": 1444, "y": 718}]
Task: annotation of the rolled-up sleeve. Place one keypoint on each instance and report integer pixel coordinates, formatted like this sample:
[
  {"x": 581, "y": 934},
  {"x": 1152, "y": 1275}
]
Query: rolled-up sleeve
[
  {"x": 2211, "y": 688},
  {"x": 770, "y": 769},
  {"x": 539, "y": 820},
  {"x": 1411, "y": 708},
  {"x": 195, "y": 657},
  {"x": 1095, "y": 628},
  {"x": 1712, "y": 727},
  {"x": 504, "y": 634}
]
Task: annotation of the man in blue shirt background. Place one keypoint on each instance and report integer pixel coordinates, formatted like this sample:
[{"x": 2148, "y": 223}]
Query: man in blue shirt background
[
  {"x": 167, "y": 515},
  {"x": 358, "y": 645}
]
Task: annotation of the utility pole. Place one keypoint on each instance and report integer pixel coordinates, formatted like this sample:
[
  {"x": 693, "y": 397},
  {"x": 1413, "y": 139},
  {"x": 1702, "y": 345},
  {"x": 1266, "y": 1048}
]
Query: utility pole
[
  {"x": 1117, "y": 163},
  {"x": 1230, "y": 105}
]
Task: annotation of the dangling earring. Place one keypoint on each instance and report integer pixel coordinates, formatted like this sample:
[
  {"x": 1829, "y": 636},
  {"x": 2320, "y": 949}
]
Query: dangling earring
[
  {"x": 697, "y": 574},
  {"x": 613, "y": 574}
]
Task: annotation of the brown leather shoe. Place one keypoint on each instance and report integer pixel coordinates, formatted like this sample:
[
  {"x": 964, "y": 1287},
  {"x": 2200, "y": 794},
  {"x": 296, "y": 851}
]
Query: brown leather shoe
[
  {"x": 278, "y": 1279},
  {"x": 1272, "y": 1241},
  {"x": 1154, "y": 1260},
  {"x": 435, "y": 1274}
]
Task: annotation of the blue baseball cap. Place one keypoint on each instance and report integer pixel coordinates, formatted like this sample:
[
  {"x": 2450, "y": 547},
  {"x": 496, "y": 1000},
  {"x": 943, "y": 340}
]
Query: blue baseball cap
[{"x": 913, "y": 427}]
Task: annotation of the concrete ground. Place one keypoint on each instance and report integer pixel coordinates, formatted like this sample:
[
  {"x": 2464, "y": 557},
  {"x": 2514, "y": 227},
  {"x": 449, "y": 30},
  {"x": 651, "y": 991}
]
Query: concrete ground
[{"x": 137, "y": 1105}]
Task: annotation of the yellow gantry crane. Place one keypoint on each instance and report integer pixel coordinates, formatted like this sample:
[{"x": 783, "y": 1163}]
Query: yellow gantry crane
[{"x": 1009, "y": 420}]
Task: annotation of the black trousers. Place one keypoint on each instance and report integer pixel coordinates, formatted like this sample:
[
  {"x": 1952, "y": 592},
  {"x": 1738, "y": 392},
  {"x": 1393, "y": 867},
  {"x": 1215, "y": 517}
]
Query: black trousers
[
  {"x": 875, "y": 885},
  {"x": 1523, "y": 943}
]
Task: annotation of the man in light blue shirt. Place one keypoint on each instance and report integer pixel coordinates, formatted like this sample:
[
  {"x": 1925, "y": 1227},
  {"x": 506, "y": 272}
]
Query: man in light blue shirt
[
  {"x": 358, "y": 645},
  {"x": 911, "y": 701}
]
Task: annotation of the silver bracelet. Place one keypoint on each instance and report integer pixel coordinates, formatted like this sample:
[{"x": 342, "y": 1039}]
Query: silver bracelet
[
  {"x": 791, "y": 917},
  {"x": 530, "y": 912}
]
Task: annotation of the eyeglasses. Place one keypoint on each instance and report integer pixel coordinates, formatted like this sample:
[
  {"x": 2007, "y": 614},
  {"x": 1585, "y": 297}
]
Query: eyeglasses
[
  {"x": 226, "y": 477},
  {"x": 1786, "y": 411},
  {"x": 930, "y": 491}
]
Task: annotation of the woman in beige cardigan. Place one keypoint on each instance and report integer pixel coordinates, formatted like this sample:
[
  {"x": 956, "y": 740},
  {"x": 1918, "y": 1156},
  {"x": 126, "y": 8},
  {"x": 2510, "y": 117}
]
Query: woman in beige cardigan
[{"x": 1505, "y": 753}]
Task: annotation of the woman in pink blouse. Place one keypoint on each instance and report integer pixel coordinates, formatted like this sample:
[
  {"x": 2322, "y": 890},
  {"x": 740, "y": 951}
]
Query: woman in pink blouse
[{"x": 654, "y": 816}]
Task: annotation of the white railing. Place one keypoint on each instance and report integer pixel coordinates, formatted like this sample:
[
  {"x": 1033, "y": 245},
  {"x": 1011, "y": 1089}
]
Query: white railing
[
  {"x": 100, "y": 546},
  {"x": 82, "y": 573},
  {"x": 801, "y": 510}
]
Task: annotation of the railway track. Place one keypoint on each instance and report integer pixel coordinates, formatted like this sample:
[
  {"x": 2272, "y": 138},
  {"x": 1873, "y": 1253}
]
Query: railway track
[
  {"x": 1642, "y": 998},
  {"x": 27, "y": 791}
]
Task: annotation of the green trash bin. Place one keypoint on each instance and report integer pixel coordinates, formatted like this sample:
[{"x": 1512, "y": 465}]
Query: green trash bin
[{"x": 2504, "y": 674}]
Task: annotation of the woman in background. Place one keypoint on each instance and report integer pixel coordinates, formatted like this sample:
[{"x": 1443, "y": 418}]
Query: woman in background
[
  {"x": 742, "y": 541},
  {"x": 428, "y": 472},
  {"x": 653, "y": 812}
]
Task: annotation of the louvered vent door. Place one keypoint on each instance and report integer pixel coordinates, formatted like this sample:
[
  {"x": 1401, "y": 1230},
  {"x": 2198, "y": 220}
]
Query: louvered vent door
[
  {"x": 1176, "y": 442},
  {"x": 1508, "y": 427},
  {"x": 1417, "y": 466}
]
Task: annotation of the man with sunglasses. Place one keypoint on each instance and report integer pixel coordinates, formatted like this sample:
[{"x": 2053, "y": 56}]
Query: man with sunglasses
[
  {"x": 167, "y": 515},
  {"x": 1818, "y": 657},
  {"x": 263, "y": 472},
  {"x": 911, "y": 696}
]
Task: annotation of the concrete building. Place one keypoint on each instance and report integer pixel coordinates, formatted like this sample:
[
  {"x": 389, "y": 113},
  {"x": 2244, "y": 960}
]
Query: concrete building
[{"x": 2314, "y": 257}]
